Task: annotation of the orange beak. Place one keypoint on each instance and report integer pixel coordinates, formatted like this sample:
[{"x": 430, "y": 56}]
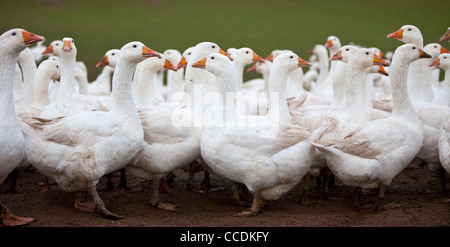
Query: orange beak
[
  {"x": 169, "y": 65},
  {"x": 182, "y": 63},
  {"x": 443, "y": 50},
  {"x": 226, "y": 54},
  {"x": 30, "y": 38},
  {"x": 49, "y": 50},
  {"x": 377, "y": 60},
  {"x": 381, "y": 54},
  {"x": 435, "y": 63},
  {"x": 251, "y": 69},
  {"x": 396, "y": 35},
  {"x": 270, "y": 57},
  {"x": 303, "y": 63},
  {"x": 337, "y": 56},
  {"x": 424, "y": 54},
  {"x": 446, "y": 36},
  {"x": 200, "y": 64},
  {"x": 103, "y": 61},
  {"x": 382, "y": 71},
  {"x": 257, "y": 58},
  {"x": 329, "y": 43},
  {"x": 147, "y": 52},
  {"x": 67, "y": 46}
]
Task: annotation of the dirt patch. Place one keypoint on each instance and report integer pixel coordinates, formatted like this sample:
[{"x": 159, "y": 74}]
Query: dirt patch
[{"x": 54, "y": 208}]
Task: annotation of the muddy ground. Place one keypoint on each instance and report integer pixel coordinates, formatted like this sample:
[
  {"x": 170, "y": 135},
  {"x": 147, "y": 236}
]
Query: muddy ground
[{"x": 412, "y": 188}]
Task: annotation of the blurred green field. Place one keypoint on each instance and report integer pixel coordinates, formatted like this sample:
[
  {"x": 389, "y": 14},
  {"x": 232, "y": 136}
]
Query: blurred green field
[{"x": 263, "y": 25}]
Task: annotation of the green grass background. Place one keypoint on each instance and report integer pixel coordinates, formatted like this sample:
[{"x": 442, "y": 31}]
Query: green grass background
[{"x": 263, "y": 25}]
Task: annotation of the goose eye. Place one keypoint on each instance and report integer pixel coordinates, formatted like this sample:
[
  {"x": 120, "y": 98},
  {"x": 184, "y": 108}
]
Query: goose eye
[
  {"x": 14, "y": 34},
  {"x": 57, "y": 66},
  {"x": 409, "y": 29},
  {"x": 57, "y": 44},
  {"x": 113, "y": 54},
  {"x": 247, "y": 52},
  {"x": 189, "y": 53},
  {"x": 435, "y": 46},
  {"x": 367, "y": 53},
  {"x": 134, "y": 46},
  {"x": 214, "y": 47},
  {"x": 347, "y": 49},
  {"x": 414, "y": 48},
  {"x": 291, "y": 57},
  {"x": 72, "y": 41},
  {"x": 212, "y": 58}
]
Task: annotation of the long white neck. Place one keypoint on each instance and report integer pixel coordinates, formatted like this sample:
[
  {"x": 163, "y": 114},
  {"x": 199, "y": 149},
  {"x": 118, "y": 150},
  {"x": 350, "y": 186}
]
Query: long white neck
[
  {"x": 323, "y": 68},
  {"x": 402, "y": 105},
  {"x": 294, "y": 83},
  {"x": 105, "y": 77},
  {"x": 240, "y": 72},
  {"x": 81, "y": 78},
  {"x": 354, "y": 88},
  {"x": 68, "y": 81},
  {"x": 28, "y": 65},
  {"x": 278, "y": 94},
  {"x": 40, "y": 90},
  {"x": 174, "y": 82},
  {"x": 7, "y": 67},
  {"x": 339, "y": 84},
  {"x": 146, "y": 87},
  {"x": 419, "y": 81},
  {"x": 122, "y": 96}
]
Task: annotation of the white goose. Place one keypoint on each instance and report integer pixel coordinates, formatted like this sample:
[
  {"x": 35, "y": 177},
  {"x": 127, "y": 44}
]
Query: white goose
[
  {"x": 167, "y": 146},
  {"x": 322, "y": 55},
  {"x": 269, "y": 167},
  {"x": 175, "y": 83},
  {"x": 422, "y": 94},
  {"x": 64, "y": 103},
  {"x": 12, "y": 141},
  {"x": 102, "y": 84},
  {"x": 443, "y": 62},
  {"x": 77, "y": 150},
  {"x": 373, "y": 154}
]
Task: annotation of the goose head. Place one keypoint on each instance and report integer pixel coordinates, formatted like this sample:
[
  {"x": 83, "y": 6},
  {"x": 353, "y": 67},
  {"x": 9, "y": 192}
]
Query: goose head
[
  {"x": 260, "y": 67},
  {"x": 18, "y": 39},
  {"x": 408, "y": 34},
  {"x": 68, "y": 48},
  {"x": 136, "y": 52},
  {"x": 245, "y": 56},
  {"x": 289, "y": 61},
  {"x": 276, "y": 53},
  {"x": 434, "y": 49},
  {"x": 202, "y": 49},
  {"x": 216, "y": 63},
  {"x": 333, "y": 43},
  {"x": 409, "y": 53},
  {"x": 110, "y": 58},
  {"x": 54, "y": 48},
  {"x": 173, "y": 56},
  {"x": 52, "y": 67},
  {"x": 367, "y": 57},
  {"x": 185, "y": 58},
  {"x": 446, "y": 36},
  {"x": 344, "y": 53},
  {"x": 158, "y": 63},
  {"x": 442, "y": 62}
]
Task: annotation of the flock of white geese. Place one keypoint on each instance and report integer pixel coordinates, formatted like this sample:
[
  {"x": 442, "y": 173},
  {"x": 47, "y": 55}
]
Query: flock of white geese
[{"x": 351, "y": 114}]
